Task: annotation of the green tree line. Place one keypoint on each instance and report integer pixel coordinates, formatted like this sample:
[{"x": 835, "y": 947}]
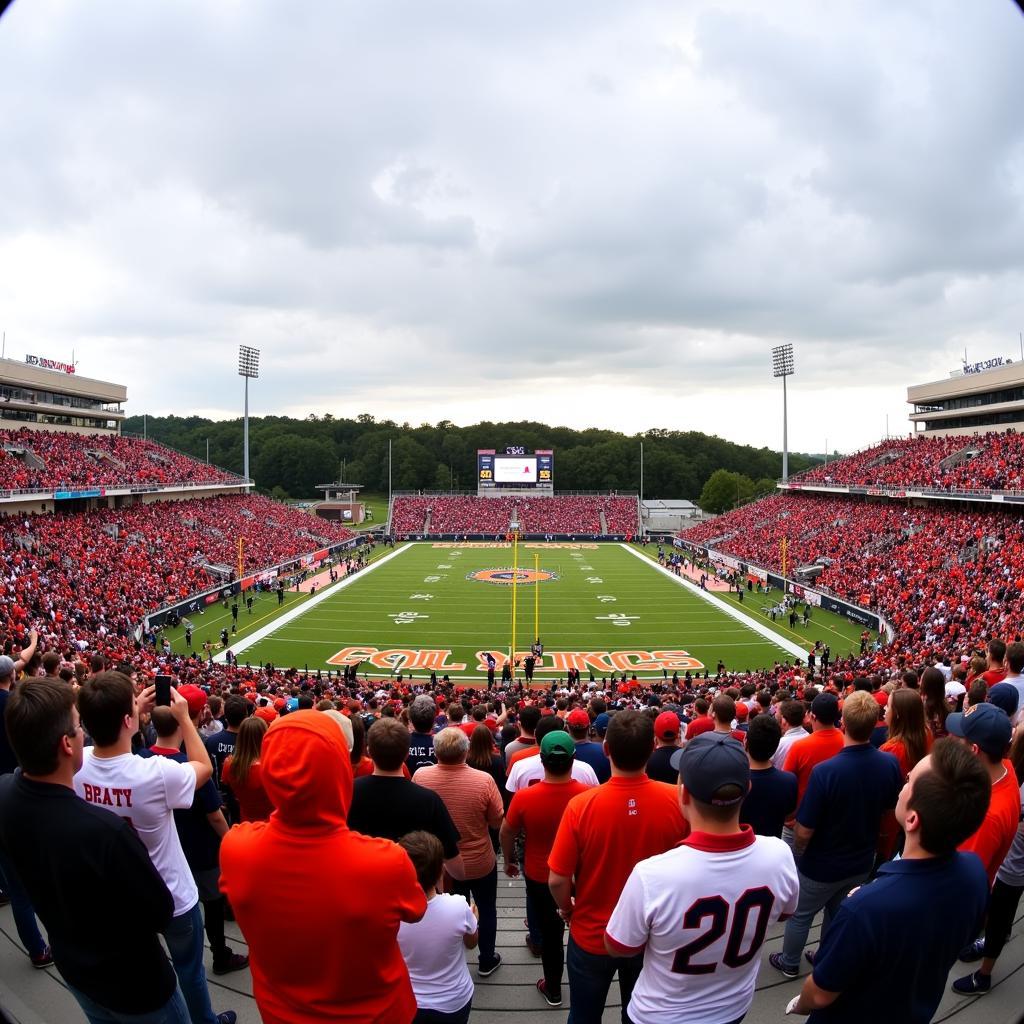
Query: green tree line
[{"x": 289, "y": 457}]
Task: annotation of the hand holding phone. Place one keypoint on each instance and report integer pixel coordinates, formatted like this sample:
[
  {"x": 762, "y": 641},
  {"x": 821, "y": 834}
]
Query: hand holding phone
[{"x": 163, "y": 691}]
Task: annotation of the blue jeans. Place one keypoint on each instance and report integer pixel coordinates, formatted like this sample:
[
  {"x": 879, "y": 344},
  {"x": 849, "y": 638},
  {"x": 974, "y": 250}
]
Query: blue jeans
[
  {"x": 184, "y": 938},
  {"x": 24, "y": 915},
  {"x": 590, "y": 978},
  {"x": 485, "y": 891},
  {"x": 814, "y": 896},
  {"x": 174, "y": 1011}
]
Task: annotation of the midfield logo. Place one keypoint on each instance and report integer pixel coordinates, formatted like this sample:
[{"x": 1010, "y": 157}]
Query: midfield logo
[{"x": 506, "y": 577}]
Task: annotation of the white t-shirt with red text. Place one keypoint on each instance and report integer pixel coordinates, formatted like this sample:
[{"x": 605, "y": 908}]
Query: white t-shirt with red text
[{"x": 146, "y": 791}]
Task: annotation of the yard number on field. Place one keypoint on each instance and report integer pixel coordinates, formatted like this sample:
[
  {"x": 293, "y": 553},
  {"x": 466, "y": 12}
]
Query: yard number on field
[
  {"x": 616, "y": 619},
  {"x": 404, "y": 618}
]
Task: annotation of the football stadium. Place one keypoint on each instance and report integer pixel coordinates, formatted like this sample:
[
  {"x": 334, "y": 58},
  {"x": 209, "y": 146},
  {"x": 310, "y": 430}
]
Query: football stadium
[{"x": 589, "y": 697}]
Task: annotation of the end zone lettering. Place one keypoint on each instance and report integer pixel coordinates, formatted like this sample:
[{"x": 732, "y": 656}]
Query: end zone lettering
[
  {"x": 397, "y": 659},
  {"x": 605, "y": 662}
]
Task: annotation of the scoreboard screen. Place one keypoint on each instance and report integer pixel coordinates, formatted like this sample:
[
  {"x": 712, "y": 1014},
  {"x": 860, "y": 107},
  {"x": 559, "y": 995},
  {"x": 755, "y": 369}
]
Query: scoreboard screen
[{"x": 514, "y": 467}]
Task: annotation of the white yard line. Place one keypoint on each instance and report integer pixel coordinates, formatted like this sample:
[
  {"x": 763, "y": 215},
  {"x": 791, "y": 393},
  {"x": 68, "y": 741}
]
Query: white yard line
[
  {"x": 762, "y": 630},
  {"x": 290, "y": 616}
]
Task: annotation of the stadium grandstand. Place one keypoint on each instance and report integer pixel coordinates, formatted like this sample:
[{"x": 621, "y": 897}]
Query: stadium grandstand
[{"x": 109, "y": 539}]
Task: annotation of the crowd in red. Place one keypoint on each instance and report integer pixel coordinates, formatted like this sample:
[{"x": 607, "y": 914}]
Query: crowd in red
[
  {"x": 73, "y": 461},
  {"x": 990, "y": 462},
  {"x": 944, "y": 577},
  {"x": 86, "y": 580},
  {"x": 562, "y": 514}
]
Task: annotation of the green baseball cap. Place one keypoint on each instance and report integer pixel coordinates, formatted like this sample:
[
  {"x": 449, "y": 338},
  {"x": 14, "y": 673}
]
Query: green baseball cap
[{"x": 558, "y": 744}]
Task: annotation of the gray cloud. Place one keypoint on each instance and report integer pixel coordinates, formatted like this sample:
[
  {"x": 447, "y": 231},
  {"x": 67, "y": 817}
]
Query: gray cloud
[{"x": 420, "y": 207}]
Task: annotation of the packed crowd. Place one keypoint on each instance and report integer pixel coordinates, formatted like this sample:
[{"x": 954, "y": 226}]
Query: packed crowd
[
  {"x": 990, "y": 462},
  {"x": 552, "y": 515},
  {"x": 65, "y": 461},
  {"x": 940, "y": 576},
  {"x": 890, "y": 802},
  {"x": 85, "y": 580}
]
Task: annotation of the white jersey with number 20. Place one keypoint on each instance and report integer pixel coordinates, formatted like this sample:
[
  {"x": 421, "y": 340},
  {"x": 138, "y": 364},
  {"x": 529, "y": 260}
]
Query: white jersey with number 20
[{"x": 703, "y": 910}]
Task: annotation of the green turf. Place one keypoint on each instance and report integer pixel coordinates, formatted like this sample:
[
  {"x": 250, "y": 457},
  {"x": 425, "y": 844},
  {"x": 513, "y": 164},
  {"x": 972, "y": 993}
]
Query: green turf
[{"x": 451, "y": 613}]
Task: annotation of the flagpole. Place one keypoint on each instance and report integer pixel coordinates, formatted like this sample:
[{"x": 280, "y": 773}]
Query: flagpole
[
  {"x": 536, "y": 596},
  {"x": 515, "y": 576}
]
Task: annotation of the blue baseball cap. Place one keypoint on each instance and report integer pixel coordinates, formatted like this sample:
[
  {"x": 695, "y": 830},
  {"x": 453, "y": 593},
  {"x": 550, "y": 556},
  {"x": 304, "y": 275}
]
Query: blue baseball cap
[
  {"x": 710, "y": 762},
  {"x": 601, "y": 723},
  {"x": 1005, "y": 696},
  {"x": 985, "y": 725}
]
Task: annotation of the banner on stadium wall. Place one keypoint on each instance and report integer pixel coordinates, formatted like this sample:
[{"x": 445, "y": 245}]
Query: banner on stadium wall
[
  {"x": 849, "y": 611},
  {"x": 757, "y": 573},
  {"x": 93, "y": 492},
  {"x": 190, "y": 605}
]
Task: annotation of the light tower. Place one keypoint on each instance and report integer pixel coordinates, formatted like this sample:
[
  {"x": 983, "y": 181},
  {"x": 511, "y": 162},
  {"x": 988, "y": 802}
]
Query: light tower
[
  {"x": 782, "y": 366},
  {"x": 248, "y": 366}
]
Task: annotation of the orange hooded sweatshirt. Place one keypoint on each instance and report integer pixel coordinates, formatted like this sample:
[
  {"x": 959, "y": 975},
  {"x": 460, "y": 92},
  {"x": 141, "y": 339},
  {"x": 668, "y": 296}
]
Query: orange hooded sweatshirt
[{"x": 318, "y": 904}]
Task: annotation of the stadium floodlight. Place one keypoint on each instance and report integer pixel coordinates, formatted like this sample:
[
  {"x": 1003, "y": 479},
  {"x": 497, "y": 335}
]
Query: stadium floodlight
[
  {"x": 248, "y": 366},
  {"x": 782, "y": 366}
]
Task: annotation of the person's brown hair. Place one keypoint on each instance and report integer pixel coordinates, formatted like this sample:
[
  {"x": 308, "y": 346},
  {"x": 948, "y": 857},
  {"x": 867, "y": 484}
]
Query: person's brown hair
[
  {"x": 794, "y": 712},
  {"x": 933, "y": 690},
  {"x": 481, "y": 748},
  {"x": 38, "y": 715},
  {"x": 248, "y": 745},
  {"x": 163, "y": 721},
  {"x": 951, "y": 799},
  {"x": 723, "y": 708},
  {"x": 630, "y": 740},
  {"x": 387, "y": 742},
  {"x": 104, "y": 701},
  {"x": 907, "y": 724},
  {"x": 427, "y": 855}
]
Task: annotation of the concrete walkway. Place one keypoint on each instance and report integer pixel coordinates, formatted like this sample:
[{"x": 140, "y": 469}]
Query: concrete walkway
[{"x": 508, "y": 996}]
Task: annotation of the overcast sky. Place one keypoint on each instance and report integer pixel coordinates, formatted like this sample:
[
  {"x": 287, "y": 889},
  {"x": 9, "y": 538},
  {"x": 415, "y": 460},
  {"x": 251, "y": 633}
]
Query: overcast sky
[{"x": 589, "y": 213}]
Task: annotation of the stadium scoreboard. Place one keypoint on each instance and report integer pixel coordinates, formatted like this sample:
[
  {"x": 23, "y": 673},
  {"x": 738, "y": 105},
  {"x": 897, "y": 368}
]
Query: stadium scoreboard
[{"x": 514, "y": 467}]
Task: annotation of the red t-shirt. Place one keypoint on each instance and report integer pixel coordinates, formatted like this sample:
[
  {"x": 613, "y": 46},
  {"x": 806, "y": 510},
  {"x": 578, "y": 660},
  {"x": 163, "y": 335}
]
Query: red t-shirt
[
  {"x": 700, "y": 725},
  {"x": 603, "y": 834},
  {"x": 252, "y": 798},
  {"x": 538, "y": 810},
  {"x": 993, "y": 839},
  {"x": 806, "y": 753},
  {"x": 519, "y": 755},
  {"x": 993, "y": 676}
]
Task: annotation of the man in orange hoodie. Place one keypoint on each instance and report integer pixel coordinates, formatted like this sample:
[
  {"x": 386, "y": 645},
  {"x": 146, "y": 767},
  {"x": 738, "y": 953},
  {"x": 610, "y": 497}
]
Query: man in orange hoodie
[{"x": 320, "y": 905}]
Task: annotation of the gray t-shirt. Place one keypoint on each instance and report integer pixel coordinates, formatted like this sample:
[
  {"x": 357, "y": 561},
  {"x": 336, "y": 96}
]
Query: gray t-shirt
[{"x": 1011, "y": 872}]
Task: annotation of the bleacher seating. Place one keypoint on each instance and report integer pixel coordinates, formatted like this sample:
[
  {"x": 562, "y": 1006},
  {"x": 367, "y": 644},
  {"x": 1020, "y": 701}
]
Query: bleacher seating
[{"x": 64, "y": 461}]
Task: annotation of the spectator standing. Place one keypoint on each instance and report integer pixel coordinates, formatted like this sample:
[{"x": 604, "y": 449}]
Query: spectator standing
[
  {"x": 388, "y": 805},
  {"x": 221, "y": 745},
  {"x": 434, "y": 947},
  {"x": 147, "y": 791},
  {"x": 527, "y": 769},
  {"x": 874, "y": 944},
  {"x": 243, "y": 772},
  {"x": 1014, "y": 678},
  {"x": 791, "y": 718},
  {"x": 12, "y": 889},
  {"x": 995, "y": 663},
  {"x": 666, "y": 742},
  {"x": 200, "y": 830},
  {"x": 692, "y": 972},
  {"x": 824, "y": 742},
  {"x": 422, "y": 714},
  {"x": 474, "y": 803},
  {"x": 985, "y": 729},
  {"x": 529, "y": 719},
  {"x": 77, "y": 860},
  {"x": 772, "y": 796},
  {"x": 578, "y": 724},
  {"x": 1005, "y": 899},
  {"x": 362, "y": 889},
  {"x": 537, "y": 811},
  {"x": 837, "y": 825},
  {"x": 603, "y": 834}
]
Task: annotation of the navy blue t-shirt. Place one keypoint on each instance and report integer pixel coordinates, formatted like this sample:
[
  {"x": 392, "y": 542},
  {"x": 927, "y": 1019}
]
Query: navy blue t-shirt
[
  {"x": 8, "y": 762},
  {"x": 421, "y": 751},
  {"x": 770, "y": 802},
  {"x": 874, "y": 953},
  {"x": 844, "y": 802},
  {"x": 594, "y": 755}
]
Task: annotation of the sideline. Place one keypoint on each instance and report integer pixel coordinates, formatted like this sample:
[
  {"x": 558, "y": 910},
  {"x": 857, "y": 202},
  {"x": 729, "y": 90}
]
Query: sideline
[
  {"x": 768, "y": 634},
  {"x": 290, "y": 616}
]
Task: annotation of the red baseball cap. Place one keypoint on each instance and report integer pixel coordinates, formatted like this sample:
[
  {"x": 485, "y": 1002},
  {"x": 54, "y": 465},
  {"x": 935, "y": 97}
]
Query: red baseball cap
[
  {"x": 881, "y": 698},
  {"x": 196, "y": 698},
  {"x": 578, "y": 719},
  {"x": 267, "y": 713},
  {"x": 666, "y": 725},
  {"x": 741, "y": 710}
]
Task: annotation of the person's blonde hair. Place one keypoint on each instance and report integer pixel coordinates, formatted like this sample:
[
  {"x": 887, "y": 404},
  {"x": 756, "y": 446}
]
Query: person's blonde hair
[{"x": 860, "y": 715}]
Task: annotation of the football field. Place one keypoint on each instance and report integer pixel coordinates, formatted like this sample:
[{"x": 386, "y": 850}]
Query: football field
[{"x": 441, "y": 607}]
